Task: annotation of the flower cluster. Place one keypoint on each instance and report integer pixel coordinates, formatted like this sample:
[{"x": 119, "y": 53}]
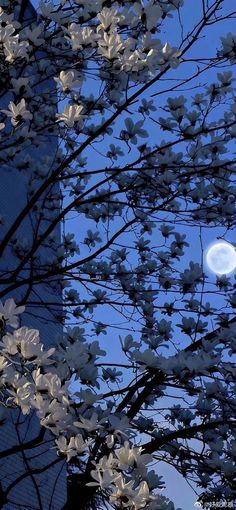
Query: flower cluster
[
  {"x": 35, "y": 379},
  {"x": 140, "y": 170},
  {"x": 29, "y": 383}
]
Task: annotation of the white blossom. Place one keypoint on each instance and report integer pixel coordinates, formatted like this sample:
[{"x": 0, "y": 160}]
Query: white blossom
[
  {"x": 71, "y": 114},
  {"x": 10, "y": 311},
  {"x": 152, "y": 163},
  {"x": 75, "y": 446},
  {"x": 228, "y": 46},
  {"x": 152, "y": 11},
  {"x": 68, "y": 81},
  {"x": 90, "y": 424},
  {"x": 103, "y": 479},
  {"x": 6, "y": 33},
  {"x": 14, "y": 49},
  {"x": 80, "y": 36},
  {"x": 108, "y": 20},
  {"x": 110, "y": 45},
  {"x": 34, "y": 35},
  {"x": 18, "y": 112},
  {"x": 129, "y": 456},
  {"x": 19, "y": 83},
  {"x": 23, "y": 394}
]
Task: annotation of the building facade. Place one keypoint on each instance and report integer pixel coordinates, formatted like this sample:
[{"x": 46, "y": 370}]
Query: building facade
[{"x": 32, "y": 478}]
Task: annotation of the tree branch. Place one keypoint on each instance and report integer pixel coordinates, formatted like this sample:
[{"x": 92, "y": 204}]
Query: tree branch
[{"x": 189, "y": 432}]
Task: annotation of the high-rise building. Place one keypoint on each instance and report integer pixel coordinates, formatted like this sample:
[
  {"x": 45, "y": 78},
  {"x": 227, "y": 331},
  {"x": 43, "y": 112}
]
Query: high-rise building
[{"x": 32, "y": 478}]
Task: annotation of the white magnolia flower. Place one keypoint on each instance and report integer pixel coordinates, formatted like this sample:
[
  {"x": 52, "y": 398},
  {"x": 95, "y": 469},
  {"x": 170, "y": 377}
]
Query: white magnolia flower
[
  {"x": 141, "y": 496},
  {"x": 17, "y": 112},
  {"x": 3, "y": 363},
  {"x": 49, "y": 10},
  {"x": 108, "y": 20},
  {"x": 228, "y": 47},
  {"x": 88, "y": 397},
  {"x": 88, "y": 424},
  {"x": 57, "y": 418},
  {"x": 65, "y": 448},
  {"x": 77, "y": 355},
  {"x": 81, "y": 36},
  {"x": 133, "y": 60},
  {"x": 67, "y": 81},
  {"x": 131, "y": 498},
  {"x": 118, "y": 427},
  {"x": 170, "y": 55},
  {"x": 41, "y": 403},
  {"x": 110, "y": 440},
  {"x": 9, "y": 312},
  {"x": 75, "y": 446},
  {"x": 6, "y": 33},
  {"x": 129, "y": 456},
  {"x": 23, "y": 394},
  {"x": 14, "y": 49},
  {"x": 105, "y": 463},
  {"x": 34, "y": 35},
  {"x": 103, "y": 480},
  {"x": 3, "y": 367},
  {"x": 26, "y": 342},
  {"x": 9, "y": 344},
  {"x": 71, "y": 114},
  {"x": 156, "y": 58},
  {"x": 110, "y": 45},
  {"x": 190, "y": 277},
  {"x": 122, "y": 491},
  {"x": 46, "y": 9},
  {"x": 49, "y": 382},
  {"x": 145, "y": 358},
  {"x": 78, "y": 443},
  {"x": 152, "y": 12},
  {"x": 29, "y": 342},
  {"x": 19, "y": 83},
  {"x": 125, "y": 456}
]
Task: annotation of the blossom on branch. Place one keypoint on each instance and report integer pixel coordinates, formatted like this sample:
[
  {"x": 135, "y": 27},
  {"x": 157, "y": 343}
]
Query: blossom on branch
[
  {"x": 18, "y": 112},
  {"x": 71, "y": 114}
]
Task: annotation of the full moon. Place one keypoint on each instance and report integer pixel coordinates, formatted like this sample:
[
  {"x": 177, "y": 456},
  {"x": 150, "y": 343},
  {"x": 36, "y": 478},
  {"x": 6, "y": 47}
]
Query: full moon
[{"x": 221, "y": 258}]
